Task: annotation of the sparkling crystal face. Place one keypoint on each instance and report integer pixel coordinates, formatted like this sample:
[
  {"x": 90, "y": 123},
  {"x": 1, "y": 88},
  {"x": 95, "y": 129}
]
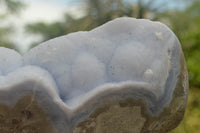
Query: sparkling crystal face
[{"x": 78, "y": 80}]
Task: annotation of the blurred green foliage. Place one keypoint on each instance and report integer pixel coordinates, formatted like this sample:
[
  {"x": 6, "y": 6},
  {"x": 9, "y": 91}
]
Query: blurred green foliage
[
  {"x": 186, "y": 25},
  {"x": 185, "y": 22},
  {"x": 8, "y": 7},
  {"x": 97, "y": 13},
  {"x": 190, "y": 123}
]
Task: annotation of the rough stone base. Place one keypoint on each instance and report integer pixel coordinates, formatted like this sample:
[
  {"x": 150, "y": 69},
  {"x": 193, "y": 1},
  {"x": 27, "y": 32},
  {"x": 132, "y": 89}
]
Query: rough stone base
[{"x": 25, "y": 117}]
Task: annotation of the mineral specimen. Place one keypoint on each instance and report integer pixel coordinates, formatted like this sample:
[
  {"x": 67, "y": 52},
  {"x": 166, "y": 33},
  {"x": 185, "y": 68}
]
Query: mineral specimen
[{"x": 126, "y": 76}]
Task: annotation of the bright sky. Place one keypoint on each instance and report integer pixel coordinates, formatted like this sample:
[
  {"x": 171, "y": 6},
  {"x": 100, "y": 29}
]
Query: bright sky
[
  {"x": 40, "y": 10},
  {"x": 49, "y": 11}
]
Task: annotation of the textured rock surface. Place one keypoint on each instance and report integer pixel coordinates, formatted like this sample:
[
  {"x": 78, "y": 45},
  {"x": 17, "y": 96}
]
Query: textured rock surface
[{"x": 126, "y": 76}]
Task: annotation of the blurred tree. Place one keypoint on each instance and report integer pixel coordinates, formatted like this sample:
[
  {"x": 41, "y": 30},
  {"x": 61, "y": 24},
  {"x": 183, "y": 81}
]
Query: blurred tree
[
  {"x": 191, "y": 44},
  {"x": 97, "y": 12},
  {"x": 12, "y": 6},
  {"x": 101, "y": 11},
  {"x": 7, "y": 8},
  {"x": 48, "y": 31}
]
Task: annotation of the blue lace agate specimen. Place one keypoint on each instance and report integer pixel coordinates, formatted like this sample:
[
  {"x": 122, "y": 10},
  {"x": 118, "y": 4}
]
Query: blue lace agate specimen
[{"x": 128, "y": 75}]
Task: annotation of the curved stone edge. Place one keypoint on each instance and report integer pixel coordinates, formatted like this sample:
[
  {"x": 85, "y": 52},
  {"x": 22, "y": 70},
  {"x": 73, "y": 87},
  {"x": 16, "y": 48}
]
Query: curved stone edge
[
  {"x": 173, "y": 114},
  {"x": 170, "y": 104},
  {"x": 161, "y": 123},
  {"x": 10, "y": 60},
  {"x": 98, "y": 33},
  {"x": 32, "y": 90},
  {"x": 115, "y": 92},
  {"x": 167, "y": 120}
]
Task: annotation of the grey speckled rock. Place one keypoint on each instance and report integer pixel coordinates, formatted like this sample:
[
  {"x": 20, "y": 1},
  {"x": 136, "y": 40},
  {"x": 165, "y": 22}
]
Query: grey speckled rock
[{"x": 126, "y": 76}]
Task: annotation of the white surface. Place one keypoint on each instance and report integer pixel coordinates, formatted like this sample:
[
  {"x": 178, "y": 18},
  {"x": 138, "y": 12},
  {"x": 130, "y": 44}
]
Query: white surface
[
  {"x": 10, "y": 60},
  {"x": 122, "y": 51}
]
